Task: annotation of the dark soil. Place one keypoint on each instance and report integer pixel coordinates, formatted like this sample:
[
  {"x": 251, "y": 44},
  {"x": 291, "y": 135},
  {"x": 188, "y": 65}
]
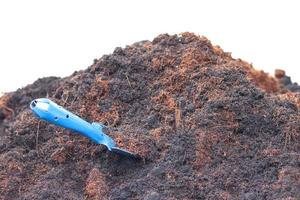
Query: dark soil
[{"x": 207, "y": 126}]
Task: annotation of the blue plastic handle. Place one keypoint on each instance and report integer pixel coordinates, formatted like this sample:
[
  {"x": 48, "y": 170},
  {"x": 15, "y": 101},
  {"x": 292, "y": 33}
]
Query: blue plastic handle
[{"x": 51, "y": 112}]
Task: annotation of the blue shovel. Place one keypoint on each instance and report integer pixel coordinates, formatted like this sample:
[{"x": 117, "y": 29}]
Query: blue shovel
[{"x": 51, "y": 112}]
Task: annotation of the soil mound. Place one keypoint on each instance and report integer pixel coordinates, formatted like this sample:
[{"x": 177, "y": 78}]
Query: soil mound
[{"x": 206, "y": 125}]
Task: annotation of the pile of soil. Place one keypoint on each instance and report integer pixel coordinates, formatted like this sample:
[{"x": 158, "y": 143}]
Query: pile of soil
[{"x": 207, "y": 126}]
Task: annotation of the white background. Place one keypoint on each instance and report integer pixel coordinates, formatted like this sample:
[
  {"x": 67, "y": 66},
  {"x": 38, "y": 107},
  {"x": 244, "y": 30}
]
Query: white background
[{"x": 43, "y": 38}]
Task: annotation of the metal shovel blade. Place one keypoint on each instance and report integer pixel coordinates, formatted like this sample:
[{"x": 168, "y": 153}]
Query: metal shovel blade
[{"x": 123, "y": 152}]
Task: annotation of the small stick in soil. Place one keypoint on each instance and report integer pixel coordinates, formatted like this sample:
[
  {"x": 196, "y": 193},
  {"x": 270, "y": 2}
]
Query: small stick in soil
[
  {"x": 75, "y": 98},
  {"x": 65, "y": 100},
  {"x": 37, "y": 138},
  {"x": 287, "y": 140},
  {"x": 178, "y": 118},
  {"x": 128, "y": 80}
]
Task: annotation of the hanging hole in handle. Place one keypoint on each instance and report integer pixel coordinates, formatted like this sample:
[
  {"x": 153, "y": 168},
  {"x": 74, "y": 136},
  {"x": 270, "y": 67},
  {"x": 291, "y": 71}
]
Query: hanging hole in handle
[
  {"x": 55, "y": 118},
  {"x": 67, "y": 116}
]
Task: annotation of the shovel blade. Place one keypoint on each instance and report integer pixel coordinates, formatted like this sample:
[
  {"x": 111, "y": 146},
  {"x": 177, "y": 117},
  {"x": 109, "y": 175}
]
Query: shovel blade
[{"x": 123, "y": 152}]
